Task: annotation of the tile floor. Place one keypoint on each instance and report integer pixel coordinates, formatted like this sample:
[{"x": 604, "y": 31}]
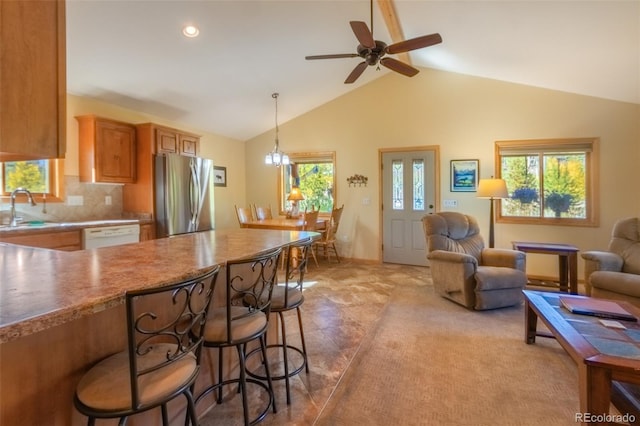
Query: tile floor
[{"x": 342, "y": 303}]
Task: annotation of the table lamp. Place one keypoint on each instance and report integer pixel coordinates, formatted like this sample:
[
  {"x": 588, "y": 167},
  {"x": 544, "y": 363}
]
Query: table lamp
[
  {"x": 294, "y": 196},
  {"x": 492, "y": 189}
]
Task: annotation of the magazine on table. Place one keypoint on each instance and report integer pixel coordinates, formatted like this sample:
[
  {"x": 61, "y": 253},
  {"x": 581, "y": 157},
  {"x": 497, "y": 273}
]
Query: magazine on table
[{"x": 596, "y": 307}]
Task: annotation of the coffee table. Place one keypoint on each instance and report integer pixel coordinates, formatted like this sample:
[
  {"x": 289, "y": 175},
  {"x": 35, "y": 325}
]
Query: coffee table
[{"x": 602, "y": 354}]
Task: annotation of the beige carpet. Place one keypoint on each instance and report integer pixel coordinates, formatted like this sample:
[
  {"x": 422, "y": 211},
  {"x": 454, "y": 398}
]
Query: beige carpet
[{"x": 428, "y": 361}]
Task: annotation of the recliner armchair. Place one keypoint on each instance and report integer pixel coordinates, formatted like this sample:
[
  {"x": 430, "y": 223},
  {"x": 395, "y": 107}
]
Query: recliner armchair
[
  {"x": 615, "y": 273},
  {"x": 466, "y": 272}
]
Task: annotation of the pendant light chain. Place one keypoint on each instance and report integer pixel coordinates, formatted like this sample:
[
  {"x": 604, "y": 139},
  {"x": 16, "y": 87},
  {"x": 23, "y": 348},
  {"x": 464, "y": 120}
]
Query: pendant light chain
[
  {"x": 276, "y": 157},
  {"x": 275, "y": 96}
]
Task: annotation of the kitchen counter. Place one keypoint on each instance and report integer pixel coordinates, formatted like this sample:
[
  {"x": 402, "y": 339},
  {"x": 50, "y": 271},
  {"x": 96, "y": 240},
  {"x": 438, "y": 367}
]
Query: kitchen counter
[
  {"x": 43, "y": 288},
  {"x": 33, "y": 227},
  {"x": 60, "y": 312}
]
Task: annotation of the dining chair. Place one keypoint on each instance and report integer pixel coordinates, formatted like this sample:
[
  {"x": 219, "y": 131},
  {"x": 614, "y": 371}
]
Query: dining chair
[
  {"x": 328, "y": 239},
  {"x": 242, "y": 320},
  {"x": 244, "y": 215},
  {"x": 165, "y": 327},
  {"x": 311, "y": 224},
  {"x": 262, "y": 212},
  {"x": 288, "y": 296}
]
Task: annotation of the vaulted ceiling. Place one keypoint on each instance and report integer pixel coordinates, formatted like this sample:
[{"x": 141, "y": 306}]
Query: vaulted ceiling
[{"x": 133, "y": 54}]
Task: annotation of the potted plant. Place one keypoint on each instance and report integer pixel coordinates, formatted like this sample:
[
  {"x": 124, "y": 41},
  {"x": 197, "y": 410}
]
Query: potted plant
[
  {"x": 557, "y": 202},
  {"x": 525, "y": 195}
]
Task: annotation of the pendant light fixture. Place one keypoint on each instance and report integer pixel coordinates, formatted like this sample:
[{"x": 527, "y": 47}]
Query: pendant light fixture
[{"x": 276, "y": 157}]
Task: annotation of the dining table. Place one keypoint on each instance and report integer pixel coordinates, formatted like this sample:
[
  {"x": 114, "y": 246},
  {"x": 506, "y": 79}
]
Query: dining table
[{"x": 284, "y": 223}]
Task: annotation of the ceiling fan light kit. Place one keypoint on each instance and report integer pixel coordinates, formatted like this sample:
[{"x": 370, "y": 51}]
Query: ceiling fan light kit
[{"x": 373, "y": 51}]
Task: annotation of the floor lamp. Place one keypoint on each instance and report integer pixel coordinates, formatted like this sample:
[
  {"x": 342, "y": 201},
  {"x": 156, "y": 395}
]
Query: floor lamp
[{"x": 492, "y": 189}]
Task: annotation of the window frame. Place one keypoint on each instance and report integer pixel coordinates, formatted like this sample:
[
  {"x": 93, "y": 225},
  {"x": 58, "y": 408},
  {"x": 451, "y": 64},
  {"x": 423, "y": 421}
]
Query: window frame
[
  {"x": 305, "y": 157},
  {"x": 56, "y": 183},
  {"x": 590, "y": 146}
]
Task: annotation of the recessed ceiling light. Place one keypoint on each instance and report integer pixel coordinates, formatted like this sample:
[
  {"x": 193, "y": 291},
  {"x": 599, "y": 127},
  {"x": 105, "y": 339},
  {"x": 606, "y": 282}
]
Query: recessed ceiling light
[{"x": 190, "y": 31}]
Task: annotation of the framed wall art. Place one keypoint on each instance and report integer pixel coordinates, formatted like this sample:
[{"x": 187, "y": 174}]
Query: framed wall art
[
  {"x": 464, "y": 175},
  {"x": 219, "y": 176}
]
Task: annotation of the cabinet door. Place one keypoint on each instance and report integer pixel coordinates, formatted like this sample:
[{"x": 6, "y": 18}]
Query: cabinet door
[
  {"x": 147, "y": 232},
  {"x": 32, "y": 80},
  {"x": 189, "y": 145},
  {"x": 166, "y": 141},
  {"x": 66, "y": 240},
  {"x": 115, "y": 154}
]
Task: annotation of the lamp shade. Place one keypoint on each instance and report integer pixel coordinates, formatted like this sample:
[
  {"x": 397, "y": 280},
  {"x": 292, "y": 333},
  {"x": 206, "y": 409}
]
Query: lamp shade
[
  {"x": 492, "y": 188},
  {"x": 295, "y": 194}
]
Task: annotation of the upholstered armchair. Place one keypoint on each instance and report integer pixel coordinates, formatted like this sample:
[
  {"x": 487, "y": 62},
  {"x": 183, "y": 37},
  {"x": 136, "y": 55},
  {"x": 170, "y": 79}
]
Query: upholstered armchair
[
  {"x": 615, "y": 273},
  {"x": 466, "y": 272}
]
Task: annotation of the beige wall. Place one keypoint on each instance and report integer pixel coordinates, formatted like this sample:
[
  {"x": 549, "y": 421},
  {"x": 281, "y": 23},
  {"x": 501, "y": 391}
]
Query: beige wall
[
  {"x": 463, "y": 115},
  {"x": 224, "y": 151}
]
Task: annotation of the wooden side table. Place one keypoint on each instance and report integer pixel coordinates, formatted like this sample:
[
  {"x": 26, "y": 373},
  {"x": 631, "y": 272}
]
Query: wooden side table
[{"x": 567, "y": 261}]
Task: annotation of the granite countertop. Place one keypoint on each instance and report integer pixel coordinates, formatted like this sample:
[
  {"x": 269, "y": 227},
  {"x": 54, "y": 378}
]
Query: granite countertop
[
  {"x": 35, "y": 227},
  {"x": 41, "y": 288}
]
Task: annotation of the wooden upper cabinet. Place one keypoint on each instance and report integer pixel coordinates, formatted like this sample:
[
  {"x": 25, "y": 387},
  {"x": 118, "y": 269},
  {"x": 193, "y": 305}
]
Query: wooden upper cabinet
[
  {"x": 154, "y": 139},
  {"x": 107, "y": 150},
  {"x": 189, "y": 145},
  {"x": 172, "y": 141},
  {"x": 166, "y": 141},
  {"x": 33, "y": 88}
]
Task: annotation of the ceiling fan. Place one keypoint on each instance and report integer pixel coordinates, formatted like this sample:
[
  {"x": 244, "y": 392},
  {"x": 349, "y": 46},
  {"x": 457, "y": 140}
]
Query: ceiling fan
[{"x": 374, "y": 51}]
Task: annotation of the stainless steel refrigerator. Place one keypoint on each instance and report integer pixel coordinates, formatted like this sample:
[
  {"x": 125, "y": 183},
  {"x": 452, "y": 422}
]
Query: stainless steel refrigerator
[{"x": 183, "y": 194}]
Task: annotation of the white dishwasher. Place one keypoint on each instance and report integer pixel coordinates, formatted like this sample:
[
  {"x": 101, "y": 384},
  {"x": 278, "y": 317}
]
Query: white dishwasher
[{"x": 105, "y": 236}]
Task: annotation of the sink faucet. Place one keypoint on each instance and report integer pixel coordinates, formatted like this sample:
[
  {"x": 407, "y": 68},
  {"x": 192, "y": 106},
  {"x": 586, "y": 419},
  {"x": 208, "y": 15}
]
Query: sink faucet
[{"x": 14, "y": 219}]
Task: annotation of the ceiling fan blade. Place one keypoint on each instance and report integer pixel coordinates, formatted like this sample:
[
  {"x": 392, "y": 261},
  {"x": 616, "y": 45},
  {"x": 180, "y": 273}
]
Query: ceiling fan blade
[
  {"x": 357, "y": 71},
  {"x": 414, "y": 43},
  {"x": 339, "y": 55},
  {"x": 364, "y": 36},
  {"x": 397, "y": 66}
]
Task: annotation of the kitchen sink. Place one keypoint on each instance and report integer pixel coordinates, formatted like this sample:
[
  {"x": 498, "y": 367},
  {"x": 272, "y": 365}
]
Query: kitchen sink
[{"x": 32, "y": 224}]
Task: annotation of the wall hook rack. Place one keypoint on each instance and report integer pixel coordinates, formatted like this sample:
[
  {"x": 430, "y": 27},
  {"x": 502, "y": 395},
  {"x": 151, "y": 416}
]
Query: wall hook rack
[{"x": 358, "y": 180}]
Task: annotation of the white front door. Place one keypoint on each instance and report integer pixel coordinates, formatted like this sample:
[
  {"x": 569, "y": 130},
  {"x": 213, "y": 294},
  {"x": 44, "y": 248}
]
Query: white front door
[{"x": 408, "y": 193}]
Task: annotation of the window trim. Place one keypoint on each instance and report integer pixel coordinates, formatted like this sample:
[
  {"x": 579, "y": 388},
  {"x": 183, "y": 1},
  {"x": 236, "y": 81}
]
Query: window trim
[
  {"x": 321, "y": 156},
  {"x": 589, "y": 145},
  {"x": 56, "y": 184}
]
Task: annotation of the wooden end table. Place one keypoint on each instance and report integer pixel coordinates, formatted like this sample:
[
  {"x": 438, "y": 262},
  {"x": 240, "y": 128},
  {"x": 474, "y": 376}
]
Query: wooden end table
[{"x": 567, "y": 261}]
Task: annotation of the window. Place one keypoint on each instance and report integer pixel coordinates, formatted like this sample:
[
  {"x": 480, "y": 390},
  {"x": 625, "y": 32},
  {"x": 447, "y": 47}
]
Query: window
[
  {"x": 549, "y": 181},
  {"x": 40, "y": 177},
  {"x": 397, "y": 168},
  {"x": 417, "y": 181},
  {"x": 314, "y": 174}
]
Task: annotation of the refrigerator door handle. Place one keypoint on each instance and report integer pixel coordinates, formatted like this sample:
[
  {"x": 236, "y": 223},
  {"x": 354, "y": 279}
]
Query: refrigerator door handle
[{"x": 194, "y": 197}]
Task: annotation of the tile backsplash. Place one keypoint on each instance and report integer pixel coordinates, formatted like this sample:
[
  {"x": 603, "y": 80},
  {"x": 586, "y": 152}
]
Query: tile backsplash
[{"x": 83, "y": 201}]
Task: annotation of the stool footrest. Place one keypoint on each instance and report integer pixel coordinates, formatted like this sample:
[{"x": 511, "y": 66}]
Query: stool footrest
[
  {"x": 224, "y": 383},
  {"x": 292, "y": 373}
]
